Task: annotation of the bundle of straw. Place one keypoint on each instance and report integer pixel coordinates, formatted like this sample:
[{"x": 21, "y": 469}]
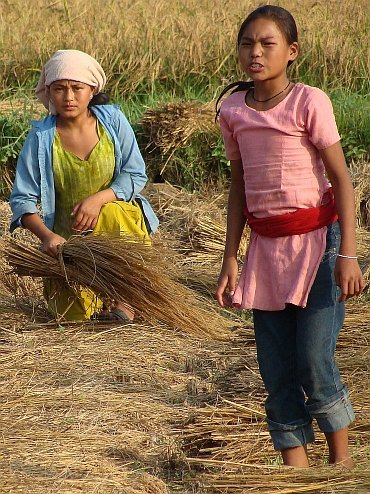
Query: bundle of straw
[
  {"x": 124, "y": 269},
  {"x": 172, "y": 125}
]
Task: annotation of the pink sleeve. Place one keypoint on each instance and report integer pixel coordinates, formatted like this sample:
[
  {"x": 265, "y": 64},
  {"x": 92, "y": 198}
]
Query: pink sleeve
[
  {"x": 232, "y": 151},
  {"x": 320, "y": 120}
]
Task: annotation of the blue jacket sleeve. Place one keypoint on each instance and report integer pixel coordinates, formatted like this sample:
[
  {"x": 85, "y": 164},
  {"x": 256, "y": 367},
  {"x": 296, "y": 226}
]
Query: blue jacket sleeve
[{"x": 27, "y": 184}]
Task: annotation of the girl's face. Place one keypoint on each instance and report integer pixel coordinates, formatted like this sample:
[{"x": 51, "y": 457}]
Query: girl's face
[
  {"x": 70, "y": 98},
  {"x": 264, "y": 52}
]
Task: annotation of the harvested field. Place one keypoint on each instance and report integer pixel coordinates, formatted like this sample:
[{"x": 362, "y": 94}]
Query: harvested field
[{"x": 150, "y": 409}]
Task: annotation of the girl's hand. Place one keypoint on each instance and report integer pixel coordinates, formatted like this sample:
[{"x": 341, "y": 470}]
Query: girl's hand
[
  {"x": 50, "y": 244},
  {"x": 227, "y": 282},
  {"x": 86, "y": 213},
  {"x": 49, "y": 239},
  {"x": 348, "y": 277}
]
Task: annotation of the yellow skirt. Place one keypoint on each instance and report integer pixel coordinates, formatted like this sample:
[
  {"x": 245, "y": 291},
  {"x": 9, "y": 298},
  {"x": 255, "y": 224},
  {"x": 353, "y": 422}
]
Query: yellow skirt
[{"x": 78, "y": 304}]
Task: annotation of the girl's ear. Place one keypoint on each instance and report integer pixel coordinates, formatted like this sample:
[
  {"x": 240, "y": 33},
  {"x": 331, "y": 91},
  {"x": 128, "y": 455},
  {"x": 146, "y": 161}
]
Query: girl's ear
[{"x": 294, "y": 50}]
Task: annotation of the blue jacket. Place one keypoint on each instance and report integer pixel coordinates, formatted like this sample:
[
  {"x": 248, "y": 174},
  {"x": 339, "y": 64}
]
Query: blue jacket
[{"x": 34, "y": 180}]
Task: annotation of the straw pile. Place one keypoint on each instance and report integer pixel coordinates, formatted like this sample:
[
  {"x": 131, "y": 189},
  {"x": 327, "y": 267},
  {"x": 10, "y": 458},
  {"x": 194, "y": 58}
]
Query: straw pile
[
  {"x": 363, "y": 252},
  {"x": 141, "y": 408},
  {"x": 180, "y": 144},
  {"x": 91, "y": 409},
  {"x": 122, "y": 269},
  {"x": 172, "y": 126},
  {"x": 193, "y": 226},
  {"x": 194, "y": 223},
  {"x": 360, "y": 172}
]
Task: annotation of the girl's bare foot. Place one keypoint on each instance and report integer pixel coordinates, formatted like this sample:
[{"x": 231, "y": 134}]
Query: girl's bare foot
[
  {"x": 346, "y": 463},
  {"x": 339, "y": 454},
  {"x": 128, "y": 310},
  {"x": 295, "y": 457}
]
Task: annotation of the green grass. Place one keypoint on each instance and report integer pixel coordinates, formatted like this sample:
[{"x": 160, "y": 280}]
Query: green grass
[{"x": 352, "y": 112}]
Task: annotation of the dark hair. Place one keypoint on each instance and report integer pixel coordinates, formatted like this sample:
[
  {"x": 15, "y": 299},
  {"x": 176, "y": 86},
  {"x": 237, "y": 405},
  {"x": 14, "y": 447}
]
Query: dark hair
[
  {"x": 99, "y": 99},
  {"x": 282, "y": 18},
  {"x": 287, "y": 26}
]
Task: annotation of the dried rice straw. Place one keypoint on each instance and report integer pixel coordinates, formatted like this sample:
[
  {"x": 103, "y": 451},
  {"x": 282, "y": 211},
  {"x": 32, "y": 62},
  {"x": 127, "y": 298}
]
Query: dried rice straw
[
  {"x": 171, "y": 126},
  {"x": 125, "y": 269}
]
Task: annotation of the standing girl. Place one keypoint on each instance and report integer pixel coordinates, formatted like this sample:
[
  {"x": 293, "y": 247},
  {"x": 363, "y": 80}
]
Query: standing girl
[
  {"x": 301, "y": 263},
  {"x": 83, "y": 163}
]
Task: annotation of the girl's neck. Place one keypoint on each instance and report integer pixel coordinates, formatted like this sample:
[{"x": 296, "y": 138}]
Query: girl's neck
[
  {"x": 265, "y": 90},
  {"x": 264, "y": 97},
  {"x": 78, "y": 123}
]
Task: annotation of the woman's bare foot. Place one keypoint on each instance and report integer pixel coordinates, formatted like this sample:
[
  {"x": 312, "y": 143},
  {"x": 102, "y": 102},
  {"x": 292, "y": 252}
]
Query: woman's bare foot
[
  {"x": 122, "y": 312},
  {"x": 128, "y": 310}
]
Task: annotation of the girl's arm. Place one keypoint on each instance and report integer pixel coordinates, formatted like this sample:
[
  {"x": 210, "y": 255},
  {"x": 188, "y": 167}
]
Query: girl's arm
[
  {"x": 132, "y": 176},
  {"x": 49, "y": 239},
  {"x": 26, "y": 188},
  {"x": 347, "y": 272},
  {"x": 235, "y": 225}
]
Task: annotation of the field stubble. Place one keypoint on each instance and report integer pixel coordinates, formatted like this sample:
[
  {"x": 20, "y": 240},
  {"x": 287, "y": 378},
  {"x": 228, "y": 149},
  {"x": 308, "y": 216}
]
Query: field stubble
[{"x": 144, "y": 408}]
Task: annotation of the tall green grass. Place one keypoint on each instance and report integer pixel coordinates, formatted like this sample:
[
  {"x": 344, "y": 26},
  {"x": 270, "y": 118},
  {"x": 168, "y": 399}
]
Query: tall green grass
[{"x": 352, "y": 112}]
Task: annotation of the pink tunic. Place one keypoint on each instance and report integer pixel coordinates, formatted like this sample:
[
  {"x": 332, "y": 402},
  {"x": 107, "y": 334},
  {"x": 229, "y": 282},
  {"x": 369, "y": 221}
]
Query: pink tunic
[{"x": 283, "y": 171}]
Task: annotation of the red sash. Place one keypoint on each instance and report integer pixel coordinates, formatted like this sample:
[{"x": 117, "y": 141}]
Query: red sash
[{"x": 301, "y": 221}]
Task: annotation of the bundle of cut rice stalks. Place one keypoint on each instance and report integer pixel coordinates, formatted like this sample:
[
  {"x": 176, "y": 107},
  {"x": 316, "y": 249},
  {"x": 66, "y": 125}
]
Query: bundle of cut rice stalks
[
  {"x": 180, "y": 143},
  {"x": 172, "y": 125},
  {"x": 360, "y": 177},
  {"x": 121, "y": 269}
]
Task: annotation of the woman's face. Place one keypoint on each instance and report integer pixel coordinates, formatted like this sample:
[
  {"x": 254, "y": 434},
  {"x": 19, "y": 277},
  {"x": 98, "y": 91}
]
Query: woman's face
[{"x": 70, "y": 98}]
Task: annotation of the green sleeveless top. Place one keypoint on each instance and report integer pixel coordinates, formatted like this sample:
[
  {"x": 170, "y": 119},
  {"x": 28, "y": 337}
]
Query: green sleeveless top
[{"x": 76, "y": 179}]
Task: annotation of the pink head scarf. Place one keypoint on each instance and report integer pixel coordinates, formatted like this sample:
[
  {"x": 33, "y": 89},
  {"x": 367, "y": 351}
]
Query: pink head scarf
[{"x": 71, "y": 65}]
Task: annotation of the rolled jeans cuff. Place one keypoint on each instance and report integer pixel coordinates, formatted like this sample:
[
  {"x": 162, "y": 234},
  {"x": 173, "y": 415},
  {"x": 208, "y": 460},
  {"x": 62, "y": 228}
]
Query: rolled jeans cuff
[
  {"x": 333, "y": 414},
  {"x": 290, "y": 435}
]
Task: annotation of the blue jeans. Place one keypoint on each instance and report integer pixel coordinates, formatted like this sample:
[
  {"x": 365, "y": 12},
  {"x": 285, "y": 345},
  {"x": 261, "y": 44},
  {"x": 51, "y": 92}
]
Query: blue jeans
[{"x": 295, "y": 351}]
